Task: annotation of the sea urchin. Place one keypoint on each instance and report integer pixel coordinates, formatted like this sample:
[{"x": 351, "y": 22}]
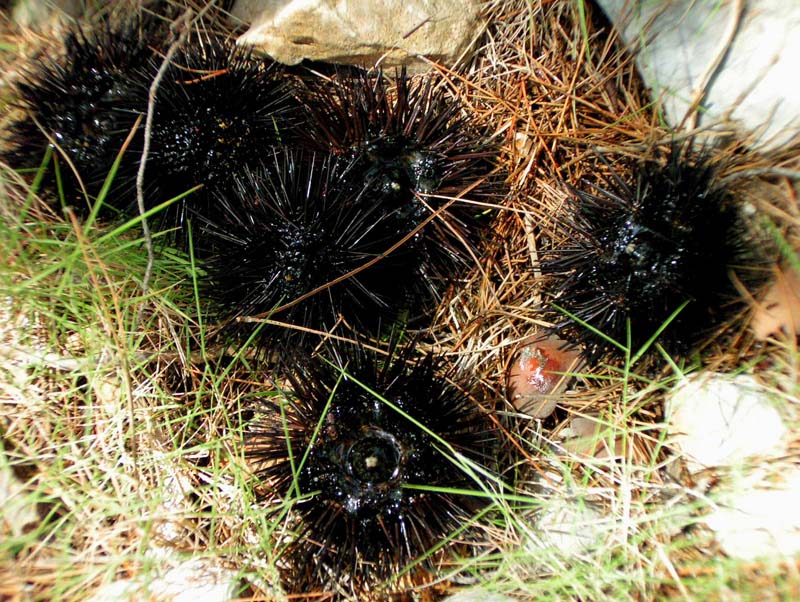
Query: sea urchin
[
  {"x": 298, "y": 236},
  {"x": 218, "y": 111},
  {"x": 641, "y": 250},
  {"x": 86, "y": 101},
  {"x": 374, "y": 449},
  {"x": 420, "y": 154}
]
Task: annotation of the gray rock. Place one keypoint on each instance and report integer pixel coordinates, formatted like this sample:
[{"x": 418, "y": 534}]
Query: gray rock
[
  {"x": 572, "y": 526},
  {"x": 365, "y": 32},
  {"x": 755, "y": 85}
]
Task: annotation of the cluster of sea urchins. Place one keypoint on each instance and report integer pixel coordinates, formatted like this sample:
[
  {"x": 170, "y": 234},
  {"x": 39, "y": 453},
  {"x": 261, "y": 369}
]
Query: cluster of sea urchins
[
  {"x": 313, "y": 200},
  {"x": 365, "y": 213},
  {"x": 308, "y": 201},
  {"x": 648, "y": 256},
  {"x": 380, "y": 455},
  {"x": 358, "y": 197}
]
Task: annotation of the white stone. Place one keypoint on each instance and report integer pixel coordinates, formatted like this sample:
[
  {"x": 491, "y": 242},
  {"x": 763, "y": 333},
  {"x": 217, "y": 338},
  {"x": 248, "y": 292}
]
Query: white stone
[
  {"x": 478, "y": 594},
  {"x": 197, "y": 581},
  {"x": 194, "y": 580},
  {"x": 18, "y": 512},
  {"x": 721, "y": 420},
  {"x": 759, "y": 522},
  {"x": 35, "y": 13},
  {"x": 756, "y": 84},
  {"x": 364, "y": 32},
  {"x": 570, "y": 526}
]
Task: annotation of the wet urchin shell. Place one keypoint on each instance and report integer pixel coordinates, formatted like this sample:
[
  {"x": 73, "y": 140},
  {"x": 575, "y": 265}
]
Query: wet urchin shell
[
  {"x": 351, "y": 461},
  {"x": 419, "y": 151},
  {"x": 640, "y": 250},
  {"x": 87, "y": 101},
  {"x": 300, "y": 226},
  {"x": 219, "y": 110}
]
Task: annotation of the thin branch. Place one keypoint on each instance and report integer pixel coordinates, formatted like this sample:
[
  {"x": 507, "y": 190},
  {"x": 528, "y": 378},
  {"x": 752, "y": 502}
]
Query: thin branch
[
  {"x": 182, "y": 26},
  {"x": 700, "y": 92}
]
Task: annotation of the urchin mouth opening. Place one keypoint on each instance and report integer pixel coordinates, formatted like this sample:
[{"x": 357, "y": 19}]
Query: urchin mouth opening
[{"x": 374, "y": 457}]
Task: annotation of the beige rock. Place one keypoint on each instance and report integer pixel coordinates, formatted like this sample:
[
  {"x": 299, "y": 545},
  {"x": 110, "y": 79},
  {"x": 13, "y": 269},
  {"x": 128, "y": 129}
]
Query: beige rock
[{"x": 363, "y": 32}]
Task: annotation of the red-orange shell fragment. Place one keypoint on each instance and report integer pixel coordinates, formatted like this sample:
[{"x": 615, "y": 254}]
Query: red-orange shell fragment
[{"x": 536, "y": 375}]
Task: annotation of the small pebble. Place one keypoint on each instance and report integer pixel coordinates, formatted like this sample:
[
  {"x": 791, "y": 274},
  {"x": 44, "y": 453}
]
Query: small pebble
[{"x": 536, "y": 375}]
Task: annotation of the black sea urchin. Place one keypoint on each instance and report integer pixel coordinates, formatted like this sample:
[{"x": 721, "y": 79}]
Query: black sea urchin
[
  {"x": 377, "y": 483},
  {"x": 299, "y": 226},
  {"x": 420, "y": 154},
  {"x": 641, "y": 250},
  {"x": 87, "y": 101},
  {"x": 218, "y": 111}
]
